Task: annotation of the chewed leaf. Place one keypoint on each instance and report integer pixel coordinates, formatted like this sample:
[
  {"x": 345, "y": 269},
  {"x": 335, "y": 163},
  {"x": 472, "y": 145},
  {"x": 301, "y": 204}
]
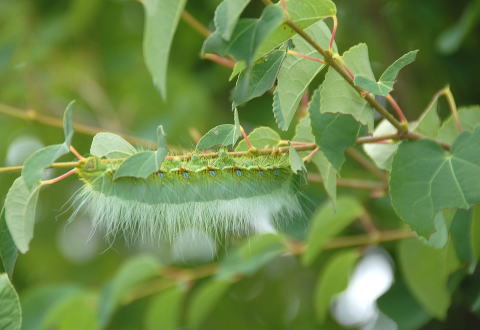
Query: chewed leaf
[
  {"x": 226, "y": 16},
  {"x": 20, "y": 207},
  {"x": 260, "y": 137},
  {"x": 161, "y": 21},
  {"x": 222, "y": 135},
  {"x": 32, "y": 171},
  {"x": 385, "y": 84},
  {"x": 425, "y": 179},
  {"x": 110, "y": 145}
]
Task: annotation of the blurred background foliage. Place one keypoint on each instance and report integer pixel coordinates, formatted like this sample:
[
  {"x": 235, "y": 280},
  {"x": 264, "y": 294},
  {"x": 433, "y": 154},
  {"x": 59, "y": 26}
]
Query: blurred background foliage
[{"x": 90, "y": 50}]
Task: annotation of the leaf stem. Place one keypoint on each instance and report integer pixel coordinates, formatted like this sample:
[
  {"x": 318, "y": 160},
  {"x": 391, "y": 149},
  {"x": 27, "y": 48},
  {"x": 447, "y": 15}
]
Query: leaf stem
[
  {"x": 76, "y": 153},
  {"x": 334, "y": 32},
  {"x": 308, "y": 157},
  {"x": 453, "y": 107},
  {"x": 350, "y": 183},
  {"x": 59, "y": 178},
  {"x": 397, "y": 109},
  {"x": 219, "y": 60},
  {"x": 329, "y": 59},
  {"x": 247, "y": 140},
  {"x": 291, "y": 52},
  {"x": 366, "y": 163},
  {"x": 195, "y": 24}
]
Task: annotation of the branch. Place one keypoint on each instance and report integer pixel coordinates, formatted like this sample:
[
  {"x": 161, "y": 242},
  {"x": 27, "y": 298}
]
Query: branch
[
  {"x": 34, "y": 116},
  {"x": 330, "y": 60},
  {"x": 350, "y": 183},
  {"x": 174, "y": 274}
]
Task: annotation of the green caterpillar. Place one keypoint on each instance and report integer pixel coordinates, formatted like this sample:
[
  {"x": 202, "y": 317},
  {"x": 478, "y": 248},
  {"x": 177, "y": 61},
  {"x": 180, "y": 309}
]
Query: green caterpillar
[{"x": 225, "y": 195}]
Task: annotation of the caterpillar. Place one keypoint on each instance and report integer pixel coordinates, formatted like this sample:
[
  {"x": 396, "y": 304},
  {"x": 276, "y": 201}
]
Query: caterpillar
[{"x": 225, "y": 195}]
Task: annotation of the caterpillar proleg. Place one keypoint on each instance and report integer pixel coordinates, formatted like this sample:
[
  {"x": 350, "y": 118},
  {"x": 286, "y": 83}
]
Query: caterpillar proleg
[{"x": 223, "y": 196}]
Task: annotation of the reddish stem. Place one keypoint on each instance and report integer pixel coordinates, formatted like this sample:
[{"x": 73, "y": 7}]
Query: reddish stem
[
  {"x": 334, "y": 31},
  {"x": 219, "y": 60},
  {"x": 291, "y": 52},
  {"x": 310, "y": 155},
  {"x": 59, "y": 178},
  {"x": 76, "y": 153},
  {"x": 245, "y": 137},
  {"x": 397, "y": 108}
]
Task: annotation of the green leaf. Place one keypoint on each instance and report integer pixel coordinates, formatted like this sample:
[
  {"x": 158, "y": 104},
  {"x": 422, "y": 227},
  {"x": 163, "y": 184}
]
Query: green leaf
[
  {"x": 204, "y": 300},
  {"x": 385, "y": 84},
  {"x": 461, "y": 235},
  {"x": 337, "y": 96},
  {"x": 429, "y": 122},
  {"x": 161, "y": 20},
  {"x": 144, "y": 164},
  {"x": 399, "y": 305},
  {"x": 440, "y": 237},
  {"x": 68, "y": 124},
  {"x": 75, "y": 313},
  {"x": 164, "y": 309},
  {"x": 20, "y": 207},
  {"x": 326, "y": 223},
  {"x": 296, "y": 73},
  {"x": 260, "y": 78},
  {"x": 469, "y": 119},
  {"x": 303, "y": 133},
  {"x": 227, "y": 15},
  {"x": 221, "y": 135},
  {"x": 303, "y": 13},
  {"x": 131, "y": 274},
  {"x": 426, "y": 179},
  {"x": 140, "y": 165},
  {"x": 247, "y": 36},
  {"x": 334, "y": 132},
  {"x": 260, "y": 137},
  {"x": 426, "y": 271},
  {"x": 110, "y": 145},
  {"x": 382, "y": 154},
  {"x": 475, "y": 232},
  {"x": 296, "y": 162},
  {"x": 11, "y": 312},
  {"x": 41, "y": 302},
  {"x": 8, "y": 250},
  {"x": 251, "y": 256},
  {"x": 328, "y": 174},
  {"x": 333, "y": 279},
  {"x": 34, "y": 165}
]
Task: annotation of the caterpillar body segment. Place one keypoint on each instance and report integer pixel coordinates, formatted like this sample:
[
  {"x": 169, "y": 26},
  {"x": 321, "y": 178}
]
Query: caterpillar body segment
[{"x": 223, "y": 196}]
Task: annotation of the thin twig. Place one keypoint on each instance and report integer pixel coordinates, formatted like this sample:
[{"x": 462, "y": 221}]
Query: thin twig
[
  {"x": 453, "y": 107},
  {"x": 59, "y": 178},
  {"x": 34, "y": 116},
  {"x": 350, "y": 183},
  {"x": 397, "y": 108},
  {"x": 219, "y": 60},
  {"x": 245, "y": 137},
  {"x": 195, "y": 24},
  {"x": 366, "y": 163}
]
